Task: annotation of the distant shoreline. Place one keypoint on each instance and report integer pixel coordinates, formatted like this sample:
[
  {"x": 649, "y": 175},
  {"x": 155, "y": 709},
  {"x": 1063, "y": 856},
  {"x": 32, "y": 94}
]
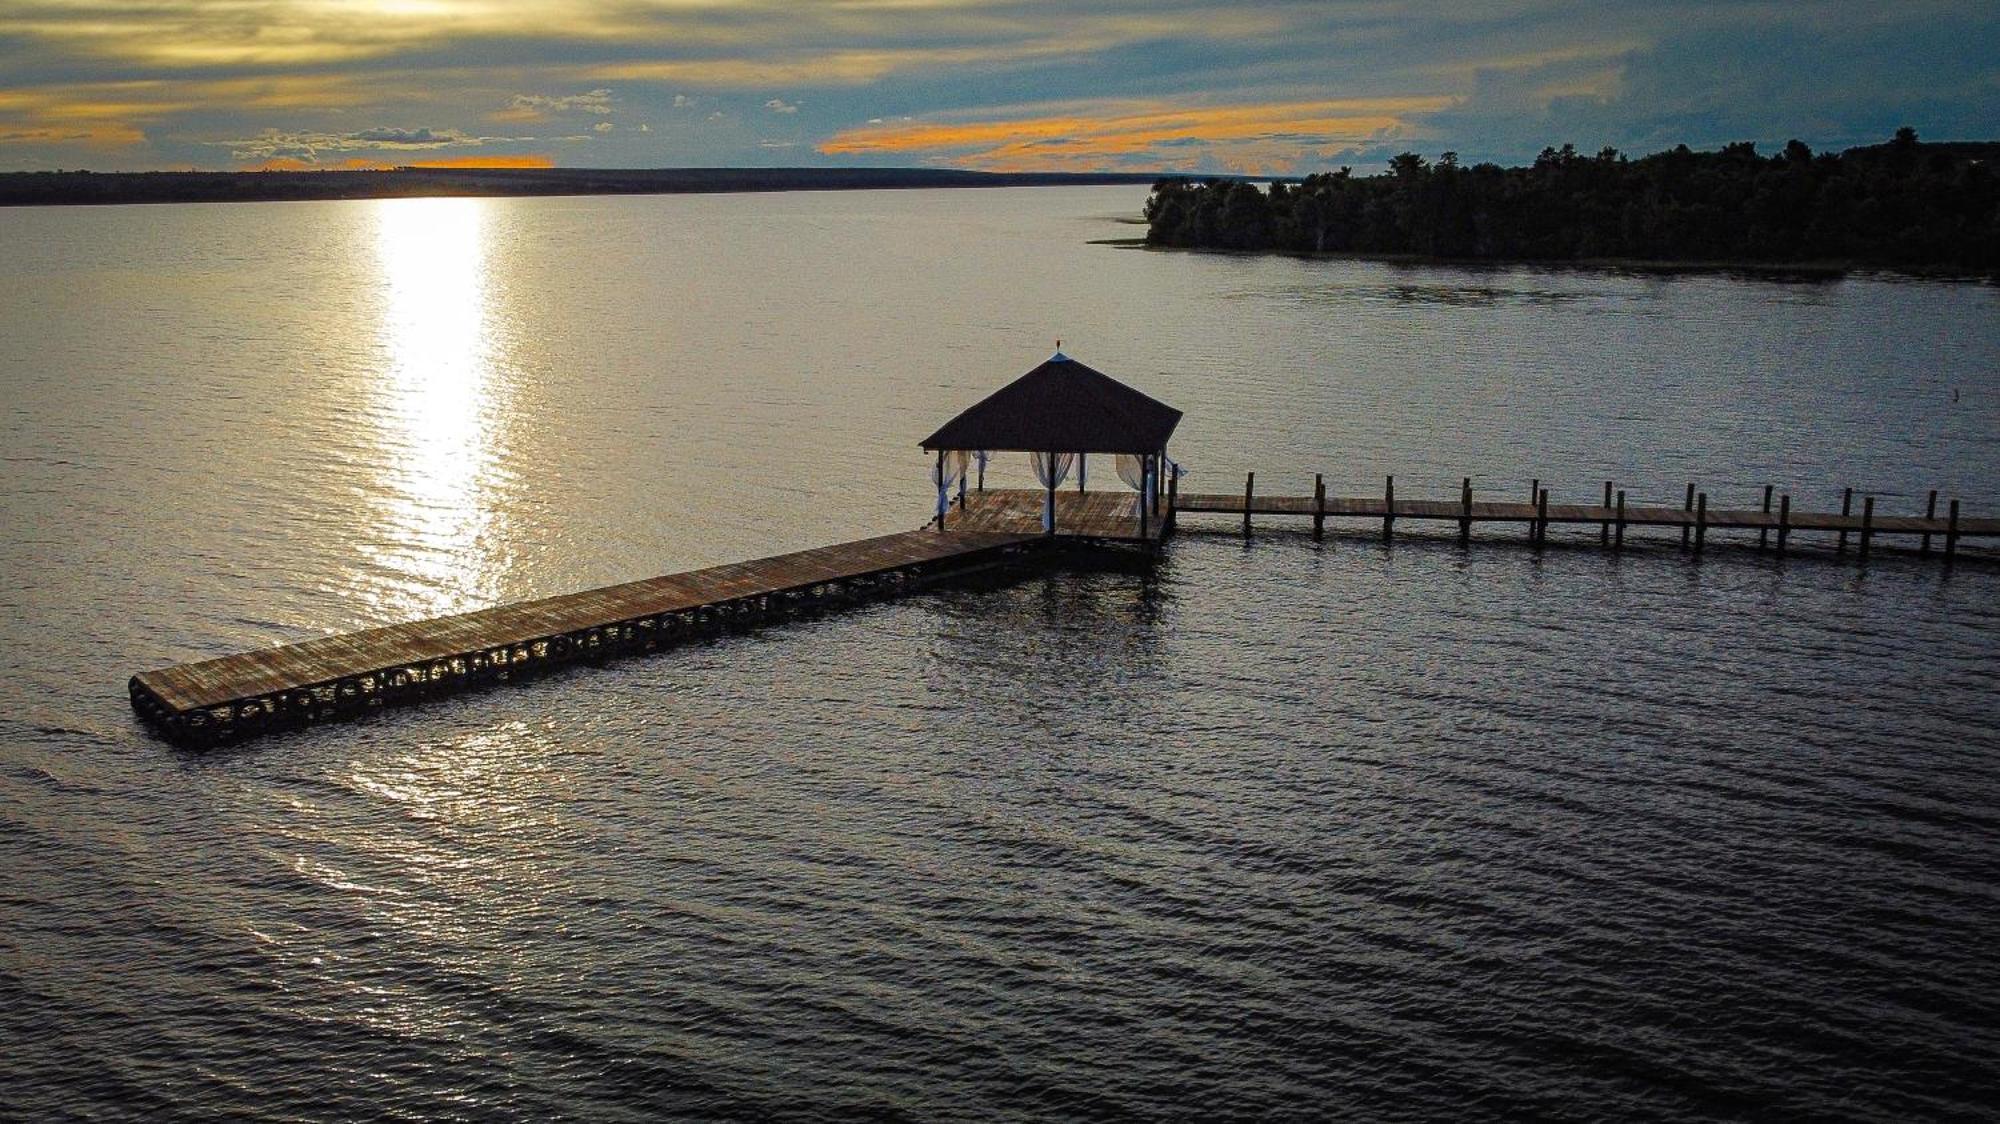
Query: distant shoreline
[
  {"x": 72, "y": 189},
  {"x": 1803, "y": 271}
]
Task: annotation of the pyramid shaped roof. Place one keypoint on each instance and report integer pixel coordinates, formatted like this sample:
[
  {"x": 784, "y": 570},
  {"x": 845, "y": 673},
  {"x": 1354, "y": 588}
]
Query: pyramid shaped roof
[{"x": 1061, "y": 406}]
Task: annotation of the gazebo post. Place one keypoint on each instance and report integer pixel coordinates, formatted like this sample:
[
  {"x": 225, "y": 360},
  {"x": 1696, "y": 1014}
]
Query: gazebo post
[
  {"x": 1052, "y": 491},
  {"x": 940, "y": 486},
  {"x": 961, "y": 487},
  {"x": 1080, "y": 457},
  {"x": 1145, "y": 469}
]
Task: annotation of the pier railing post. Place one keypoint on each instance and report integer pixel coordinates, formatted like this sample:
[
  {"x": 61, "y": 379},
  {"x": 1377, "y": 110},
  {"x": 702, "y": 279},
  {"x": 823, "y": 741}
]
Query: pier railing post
[
  {"x": 1700, "y": 521},
  {"x": 1784, "y": 522},
  {"x": 1764, "y": 533},
  {"x": 1846, "y": 509},
  {"x": 1319, "y": 506},
  {"x": 1465, "y": 511},
  {"x": 1618, "y": 543},
  {"x": 1930, "y": 515},
  {"x": 1951, "y": 533},
  {"x": 1534, "y": 494},
  {"x": 1388, "y": 508},
  {"x": 1867, "y": 524},
  {"x": 1604, "y": 528},
  {"x": 1541, "y": 517},
  {"x": 1687, "y": 505},
  {"x": 1249, "y": 493}
]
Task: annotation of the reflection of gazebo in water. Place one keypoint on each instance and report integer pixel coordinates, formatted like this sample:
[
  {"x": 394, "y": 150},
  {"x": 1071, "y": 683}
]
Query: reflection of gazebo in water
[{"x": 1059, "y": 413}]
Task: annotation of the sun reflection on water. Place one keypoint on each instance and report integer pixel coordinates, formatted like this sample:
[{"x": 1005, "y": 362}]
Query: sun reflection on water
[{"x": 439, "y": 540}]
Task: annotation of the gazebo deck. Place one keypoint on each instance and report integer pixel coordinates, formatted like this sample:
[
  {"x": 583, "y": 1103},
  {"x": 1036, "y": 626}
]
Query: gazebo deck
[{"x": 1108, "y": 516}]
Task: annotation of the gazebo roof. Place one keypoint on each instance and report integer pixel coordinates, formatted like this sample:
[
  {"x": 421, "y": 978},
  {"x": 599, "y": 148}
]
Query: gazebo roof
[{"x": 1061, "y": 406}]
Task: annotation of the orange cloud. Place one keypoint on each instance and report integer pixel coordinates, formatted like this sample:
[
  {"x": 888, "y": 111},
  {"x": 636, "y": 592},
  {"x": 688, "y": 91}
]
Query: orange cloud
[
  {"x": 1265, "y": 137},
  {"x": 524, "y": 160}
]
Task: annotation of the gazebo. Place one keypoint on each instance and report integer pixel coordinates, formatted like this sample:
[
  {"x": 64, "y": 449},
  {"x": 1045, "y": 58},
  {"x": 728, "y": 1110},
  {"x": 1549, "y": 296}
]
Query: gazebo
[{"x": 1059, "y": 413}]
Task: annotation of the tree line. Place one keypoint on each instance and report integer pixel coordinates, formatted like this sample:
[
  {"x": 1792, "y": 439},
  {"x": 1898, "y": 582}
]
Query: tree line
[{"x": 1900, "y": 204}]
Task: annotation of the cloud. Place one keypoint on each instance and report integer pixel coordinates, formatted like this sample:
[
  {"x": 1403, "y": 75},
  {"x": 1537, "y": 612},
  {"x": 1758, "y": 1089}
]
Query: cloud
[
  {"x": 163, "y": 82},
  {"x": 1264, "y": 137},
  {"x": 540, "y": 107},
  {"x": 309, "y": 146},
  {"x": 602, "y": 127}
]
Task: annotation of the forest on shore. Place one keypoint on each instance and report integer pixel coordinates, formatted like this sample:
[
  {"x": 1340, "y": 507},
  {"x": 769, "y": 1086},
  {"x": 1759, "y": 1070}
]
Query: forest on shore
[{"x": 1903, "y": 204}]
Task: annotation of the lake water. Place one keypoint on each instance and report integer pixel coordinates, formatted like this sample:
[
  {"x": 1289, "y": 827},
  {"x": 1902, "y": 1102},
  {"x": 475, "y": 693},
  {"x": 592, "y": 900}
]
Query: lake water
[{"x": 1279, "y": 829}]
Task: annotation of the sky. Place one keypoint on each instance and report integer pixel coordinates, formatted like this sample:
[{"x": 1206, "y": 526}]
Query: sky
[{"x": 1004, "y": 85}]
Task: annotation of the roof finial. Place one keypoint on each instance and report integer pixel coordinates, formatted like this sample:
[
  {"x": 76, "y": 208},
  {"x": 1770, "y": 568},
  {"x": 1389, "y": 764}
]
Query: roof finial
[{"x": 1058, "y": 357}]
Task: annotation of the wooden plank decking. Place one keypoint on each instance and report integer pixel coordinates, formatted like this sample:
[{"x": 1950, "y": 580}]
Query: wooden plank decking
[
  {"x": 1375, "y": 507},
  {"x": 1537, "y": 516},
  {"x": 1110, "y": 516},
  {"x": 336, "y": 676},
  {"x": 218, "y": 699}
]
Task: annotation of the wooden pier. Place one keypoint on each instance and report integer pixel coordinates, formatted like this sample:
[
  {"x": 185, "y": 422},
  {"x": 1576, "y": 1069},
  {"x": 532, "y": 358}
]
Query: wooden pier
[
  {"x": 1612, "y": 518},
  {"x": 340, "y": 676},
  {"x": 1060, "y": 414}
]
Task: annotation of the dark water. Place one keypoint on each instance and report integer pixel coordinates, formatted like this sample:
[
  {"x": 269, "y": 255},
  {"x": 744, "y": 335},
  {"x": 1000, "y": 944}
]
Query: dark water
[{"x": 1285, "y": 830}]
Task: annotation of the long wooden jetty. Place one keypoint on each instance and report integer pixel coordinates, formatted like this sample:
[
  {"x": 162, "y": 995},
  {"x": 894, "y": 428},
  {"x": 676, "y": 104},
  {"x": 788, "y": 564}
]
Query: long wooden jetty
[
  {"x": 339, "y": 676},
  {"x": 332, "y": 677},
  {"x": 1694, "y": 518}
]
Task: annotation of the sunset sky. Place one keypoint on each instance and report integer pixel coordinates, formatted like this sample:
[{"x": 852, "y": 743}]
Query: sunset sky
[{"x": 1066, "y": 85}]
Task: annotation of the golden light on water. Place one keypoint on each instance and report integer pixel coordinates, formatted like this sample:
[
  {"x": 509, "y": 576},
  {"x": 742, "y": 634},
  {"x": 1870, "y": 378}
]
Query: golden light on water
[{"x": 439, "y": 405}]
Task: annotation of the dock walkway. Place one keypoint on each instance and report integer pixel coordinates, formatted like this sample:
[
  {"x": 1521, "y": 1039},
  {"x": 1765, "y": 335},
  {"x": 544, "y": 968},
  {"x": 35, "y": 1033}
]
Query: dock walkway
[
  {"x": 216, "y": 700},
  {"x": 1695, "y": 519},
  {"x": 336, "y": 676}
]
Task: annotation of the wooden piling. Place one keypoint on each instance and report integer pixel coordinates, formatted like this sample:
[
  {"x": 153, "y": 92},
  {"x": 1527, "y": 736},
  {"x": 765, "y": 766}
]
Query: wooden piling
[
  {"x": 1541, "y": 517},
  {"x": 1930, "y": 513},
  {"x": 1618, "y": 543},
  {"x": 1764, "y": 533},
  {"x": 1687, "y": 505},
  {"x": 1846, "y": 509},
  {"x": 1465, "y": 510},
  {"x": 1784, "y": 522},
  {"x": 1249, "y": 492},
  {"x": 1951, "y": 533},
  {"x": 1173, "y": 497},
  {"x": 1867, "y": 524},
  {"x": 1604, "y": 529},
  {"x": 1388, "y": 508},
  {"x": 1319, "y": 506},
  {"x": 1700, "y": 521}
]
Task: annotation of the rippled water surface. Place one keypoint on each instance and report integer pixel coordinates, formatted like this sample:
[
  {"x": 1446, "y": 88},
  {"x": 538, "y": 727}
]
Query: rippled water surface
[{"x": 1282, "y": 828}]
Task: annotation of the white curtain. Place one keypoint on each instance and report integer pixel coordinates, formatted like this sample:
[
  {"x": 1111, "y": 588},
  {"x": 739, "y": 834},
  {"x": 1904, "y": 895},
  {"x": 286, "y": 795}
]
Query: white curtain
[
  {"x": 1051, "y": 469},
  {"x": 1132, "y": 470},
  {"x": 946, "y": 471}
]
